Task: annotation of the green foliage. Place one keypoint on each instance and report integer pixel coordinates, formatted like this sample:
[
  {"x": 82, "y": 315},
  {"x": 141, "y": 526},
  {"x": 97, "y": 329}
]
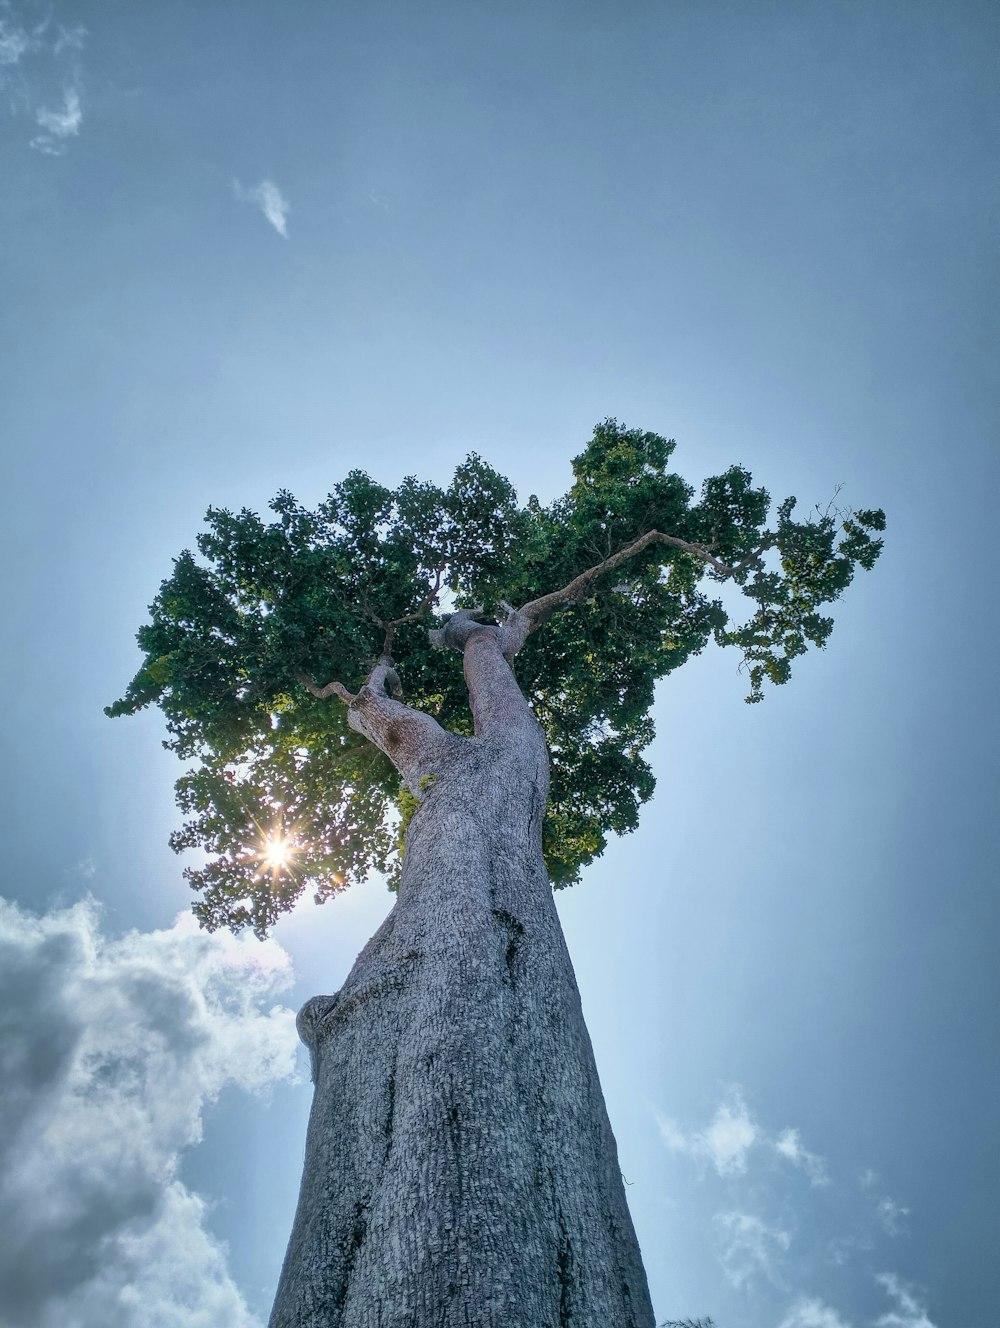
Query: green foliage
[{"x": 233, "y": 626}]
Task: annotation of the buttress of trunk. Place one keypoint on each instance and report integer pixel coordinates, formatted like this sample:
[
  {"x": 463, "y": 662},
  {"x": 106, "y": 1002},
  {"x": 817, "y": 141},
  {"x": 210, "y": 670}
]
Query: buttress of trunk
[{"x": 460, "y": 1168}]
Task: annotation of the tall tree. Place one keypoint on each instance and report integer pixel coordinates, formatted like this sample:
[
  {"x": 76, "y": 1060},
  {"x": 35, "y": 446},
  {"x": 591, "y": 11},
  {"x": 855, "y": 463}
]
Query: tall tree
[{"x": 460, "y": 1167}]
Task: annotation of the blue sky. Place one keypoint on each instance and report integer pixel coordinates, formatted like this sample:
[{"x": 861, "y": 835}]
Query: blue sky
[{"x": 255, "y": 246}]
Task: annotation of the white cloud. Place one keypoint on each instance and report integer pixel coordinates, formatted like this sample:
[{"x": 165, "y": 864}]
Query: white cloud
[
  {"x": 750, "y": 1247},
  {"x": 270, "y": 200},
  {"x": 57, "y": 126},
  {"x": 14, "y": 42},
  {"x": 909, "y": 1312},
  {"x": 111, "y": 1051},
  {"x": 55, "y": 61},
  {"x": 724, "y": 1142},
  {"x": 729, "y": 1137},
  {"x": 789, "y": 1145},
  {"x": 810, "y": 1313},
  {"x": 891, "y": 1215},
  {"x": 731, "y": 1134}
]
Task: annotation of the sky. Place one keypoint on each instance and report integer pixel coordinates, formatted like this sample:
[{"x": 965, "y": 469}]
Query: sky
[{"x": 250, "y": 247}]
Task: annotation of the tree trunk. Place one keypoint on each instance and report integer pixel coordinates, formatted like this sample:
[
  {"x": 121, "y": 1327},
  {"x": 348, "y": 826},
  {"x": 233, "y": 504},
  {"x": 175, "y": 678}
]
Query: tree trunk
[{"x": 460, "y": 1167}]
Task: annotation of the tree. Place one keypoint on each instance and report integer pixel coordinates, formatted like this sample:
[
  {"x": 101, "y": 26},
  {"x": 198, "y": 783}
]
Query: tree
[{"x": 460, "y": 1167}]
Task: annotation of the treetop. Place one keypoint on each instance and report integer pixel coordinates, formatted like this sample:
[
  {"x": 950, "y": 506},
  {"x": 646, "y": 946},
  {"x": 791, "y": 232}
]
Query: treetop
[{"x": 617, "y": 575}]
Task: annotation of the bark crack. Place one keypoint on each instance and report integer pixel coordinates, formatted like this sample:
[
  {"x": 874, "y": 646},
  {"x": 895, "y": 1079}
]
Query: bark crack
[
  {"x": 359, "y": 1231},
  {"x": 564, "y": 1266},
  {"x": 390, "y": 1118},
  {"x": 512, "y": 930}
]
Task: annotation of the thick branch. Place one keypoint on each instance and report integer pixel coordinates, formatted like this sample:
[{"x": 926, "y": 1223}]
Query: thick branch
[
  {"x": 382, "y": 675},
  {"x": 487, "y": 649},
  {"x": 537, "y": 611},
  {"x": 330, "y": 689},
  {"x": 412, "y": 740}
]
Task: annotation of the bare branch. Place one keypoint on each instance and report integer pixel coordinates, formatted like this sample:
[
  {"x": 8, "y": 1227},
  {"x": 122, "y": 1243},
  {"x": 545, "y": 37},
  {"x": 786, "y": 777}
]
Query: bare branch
[{"x": 537, "y": 611}]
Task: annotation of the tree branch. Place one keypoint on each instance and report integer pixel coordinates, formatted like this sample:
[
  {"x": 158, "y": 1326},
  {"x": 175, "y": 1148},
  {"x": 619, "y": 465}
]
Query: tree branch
[
  {"x": 331, "y": 688},
  {"x": 389, "y": 625},
  {"x": 537, "y": 611},
  {"x": 383, "y": 678}
]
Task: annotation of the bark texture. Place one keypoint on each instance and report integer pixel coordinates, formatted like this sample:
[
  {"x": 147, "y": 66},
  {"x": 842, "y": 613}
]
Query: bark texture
[{"x": 460, "y": 1167}]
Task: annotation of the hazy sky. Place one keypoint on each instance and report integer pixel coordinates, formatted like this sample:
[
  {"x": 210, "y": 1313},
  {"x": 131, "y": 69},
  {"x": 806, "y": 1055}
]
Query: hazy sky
[{"x": 250, "y": 246}]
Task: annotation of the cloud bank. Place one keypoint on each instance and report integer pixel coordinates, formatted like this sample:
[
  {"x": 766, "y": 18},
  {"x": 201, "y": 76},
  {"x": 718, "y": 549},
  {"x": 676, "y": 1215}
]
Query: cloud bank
[{"x": 110, "y": 1052}]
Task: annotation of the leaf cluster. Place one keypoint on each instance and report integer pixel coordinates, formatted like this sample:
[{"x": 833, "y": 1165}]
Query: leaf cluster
[{"x": 262, "y": 601}]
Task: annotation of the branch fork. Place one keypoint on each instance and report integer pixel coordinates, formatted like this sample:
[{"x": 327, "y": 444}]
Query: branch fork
[{"x": 518, "y": 624}]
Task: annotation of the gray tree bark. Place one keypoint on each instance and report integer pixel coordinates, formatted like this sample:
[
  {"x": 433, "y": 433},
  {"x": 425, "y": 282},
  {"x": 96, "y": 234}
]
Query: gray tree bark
[{"x": 460, "y": 1168}]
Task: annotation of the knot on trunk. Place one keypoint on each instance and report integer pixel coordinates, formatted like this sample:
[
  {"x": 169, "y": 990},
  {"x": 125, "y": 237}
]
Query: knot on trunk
[
  {"x": 310, "y": 1017},
  {"x": 307, "y": 1025}
]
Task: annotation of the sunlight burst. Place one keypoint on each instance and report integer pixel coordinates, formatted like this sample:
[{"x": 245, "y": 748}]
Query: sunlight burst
[{"x": 278, "y": 852}]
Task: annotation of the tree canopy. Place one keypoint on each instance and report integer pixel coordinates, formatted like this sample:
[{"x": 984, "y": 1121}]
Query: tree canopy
[{"x": 283, "y": 795}]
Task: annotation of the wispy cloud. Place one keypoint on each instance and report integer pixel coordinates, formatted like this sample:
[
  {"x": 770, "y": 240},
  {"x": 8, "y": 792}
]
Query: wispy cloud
[
  {"x": 59, "y": 125},
  {"x": 909, "y": 1312},
  {"x": 15, "y": 42},
  {"x": 771, "y": 1237},
  {"x": 112, "y": 1051},
  {"x": 69, "y": 39},
  {"x": 750, "y": 1247},
  {"x": 789, "y": 1145},
  {"x": 727, "y": 1141},
  {"x": 724, "y": 1142},
  {"x": 810, "y": 1313},
  {"x": 271, "y": 201},
  {"x": 891, "y": 1215},
  {"x": 54, "y": 62}
]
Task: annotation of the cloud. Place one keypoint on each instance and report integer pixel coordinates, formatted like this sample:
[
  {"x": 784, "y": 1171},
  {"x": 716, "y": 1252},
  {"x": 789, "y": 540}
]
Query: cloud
[
  {"x": 750, "y": 1247},
  {"x": 14, "y": 43},
  {"x": 270, "y": 200},
  {"x": 891, "y": 1215},
  {"x": 909, "y": 1312},
  {"x": 810, "y": 1313},
  {"x": 55, "y": 61},
  {"x": 69, "y": 39},
  {"x": 789, "y": 1146},
  {"x": 724, "y": 1142},
  {"x": 730, "y": 1136},
  {"x": 110, "y": 1052},
  {"x": 57, "y": 126}
]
